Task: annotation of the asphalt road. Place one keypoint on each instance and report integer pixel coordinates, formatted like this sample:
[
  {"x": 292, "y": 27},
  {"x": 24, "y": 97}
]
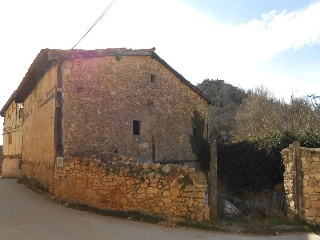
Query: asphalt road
[{"x": 28, "y": 215}]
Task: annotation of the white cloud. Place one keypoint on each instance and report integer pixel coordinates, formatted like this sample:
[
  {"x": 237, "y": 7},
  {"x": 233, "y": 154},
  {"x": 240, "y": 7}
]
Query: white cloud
[{"x": 237, "y": 52}]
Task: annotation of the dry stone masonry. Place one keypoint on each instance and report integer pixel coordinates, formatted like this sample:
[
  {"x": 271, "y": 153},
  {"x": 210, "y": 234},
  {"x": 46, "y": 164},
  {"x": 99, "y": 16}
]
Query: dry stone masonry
[
  {"x": 302, "y": 183},
  {"x": 117, "y": 182}
]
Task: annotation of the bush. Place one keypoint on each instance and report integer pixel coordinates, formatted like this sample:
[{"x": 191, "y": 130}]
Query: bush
[{"x": 256, "y": 165}]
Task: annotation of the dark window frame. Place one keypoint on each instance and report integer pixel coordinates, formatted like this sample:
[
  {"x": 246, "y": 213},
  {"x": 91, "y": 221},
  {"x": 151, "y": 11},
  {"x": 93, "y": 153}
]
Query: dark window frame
[
  {"x": 153, "y": 78},
  {"x": 136, "y": 127}
]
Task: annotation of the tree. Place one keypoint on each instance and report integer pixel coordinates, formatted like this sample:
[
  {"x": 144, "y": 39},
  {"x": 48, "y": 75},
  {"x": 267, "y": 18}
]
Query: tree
[
  {"x": 305, "y": 119},
  {"x": 262, "y": 115}
]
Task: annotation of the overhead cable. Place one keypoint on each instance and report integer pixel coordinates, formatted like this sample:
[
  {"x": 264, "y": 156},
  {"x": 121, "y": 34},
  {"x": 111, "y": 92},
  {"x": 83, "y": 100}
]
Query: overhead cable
[{"x": 96, "y": 22}]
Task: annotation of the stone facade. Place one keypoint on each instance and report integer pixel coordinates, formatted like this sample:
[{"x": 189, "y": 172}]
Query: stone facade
[
  {"x": 121, "y": 101},
  {"x": 302, "y": 183},
  {"x": 102, "y": 97},
  {"x": 120, "y": 183}
]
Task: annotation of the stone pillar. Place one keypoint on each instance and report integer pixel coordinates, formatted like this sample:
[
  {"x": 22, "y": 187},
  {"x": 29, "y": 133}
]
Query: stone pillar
[
  {"x": 212, "y": 182},
  {"x": 298, "y": 179}
]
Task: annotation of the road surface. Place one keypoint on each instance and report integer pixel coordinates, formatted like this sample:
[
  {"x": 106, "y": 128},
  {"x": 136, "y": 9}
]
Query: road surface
[{"x": 27, "y": 215}]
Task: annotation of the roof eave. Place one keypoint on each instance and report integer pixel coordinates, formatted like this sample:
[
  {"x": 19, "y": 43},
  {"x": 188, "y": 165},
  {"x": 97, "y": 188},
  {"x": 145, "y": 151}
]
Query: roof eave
[
  {"x": 37, "y": 69},
  {"x": 7, "y": 104},
  {"x": 182, "y": 79}
]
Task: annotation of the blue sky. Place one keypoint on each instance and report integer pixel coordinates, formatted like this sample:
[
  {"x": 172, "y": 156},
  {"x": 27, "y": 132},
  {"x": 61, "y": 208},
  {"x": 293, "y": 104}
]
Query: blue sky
[
  {"x": 237, "y": 11},
  {"x": 247, "y": 43}
]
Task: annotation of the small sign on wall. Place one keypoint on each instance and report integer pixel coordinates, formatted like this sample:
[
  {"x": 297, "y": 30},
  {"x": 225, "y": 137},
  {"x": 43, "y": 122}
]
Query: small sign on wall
[{"x": 59, "y": 161}]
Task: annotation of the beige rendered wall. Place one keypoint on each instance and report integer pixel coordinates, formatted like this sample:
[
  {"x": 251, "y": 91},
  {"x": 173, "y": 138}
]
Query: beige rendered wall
[
  {"x": 102, "y": 96},
  {"x": 11, "y": 167},
  {"x": 12, "y": 141},
  {"x": 12, "y": 126},
  {"x": 38, "y": 151}
]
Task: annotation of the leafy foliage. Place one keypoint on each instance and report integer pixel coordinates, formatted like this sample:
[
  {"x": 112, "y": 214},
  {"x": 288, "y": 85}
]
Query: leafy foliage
[
  {"x": 262, "y": 115},
  {"x": 199, "y": 143},
  {"x": 256, "y": 165}
]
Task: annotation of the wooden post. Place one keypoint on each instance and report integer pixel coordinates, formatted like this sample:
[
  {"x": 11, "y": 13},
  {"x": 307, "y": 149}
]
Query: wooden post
[
  {"x": 297, "y": 181},
  {"x": 212, "y": 183}
]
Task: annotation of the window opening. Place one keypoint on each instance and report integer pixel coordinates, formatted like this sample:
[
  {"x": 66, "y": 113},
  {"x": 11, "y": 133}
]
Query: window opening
[
  {"x": 20, "y": 113},
  {"x": 136, "y": 127},
  {"x": 153, "y": 78}
]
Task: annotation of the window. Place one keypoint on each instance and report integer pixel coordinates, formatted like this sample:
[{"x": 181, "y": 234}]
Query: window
[
  {"x": 153, "y": 78},
  {"x": 10, "y": 138},
  {"x": 20, "y": 113},
  {"x": 136, "y": 127}
]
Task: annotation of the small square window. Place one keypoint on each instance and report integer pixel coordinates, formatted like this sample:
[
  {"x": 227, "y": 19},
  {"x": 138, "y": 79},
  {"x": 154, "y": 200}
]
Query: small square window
[
  {"x": 136, "y": 127},
  {"x": 153, "y": 78}
]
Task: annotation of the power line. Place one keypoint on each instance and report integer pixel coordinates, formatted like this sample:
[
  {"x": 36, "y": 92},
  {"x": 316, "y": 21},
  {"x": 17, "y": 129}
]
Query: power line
[{"x": 96, "y": 22}]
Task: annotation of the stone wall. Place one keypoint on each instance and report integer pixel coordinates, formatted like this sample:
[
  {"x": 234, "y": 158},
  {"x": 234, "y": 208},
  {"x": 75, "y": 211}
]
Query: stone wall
[
  {"x": 120, "y": 183},
  {"x": 302, "y": 183},
  {"x": 102, "y": 97}
]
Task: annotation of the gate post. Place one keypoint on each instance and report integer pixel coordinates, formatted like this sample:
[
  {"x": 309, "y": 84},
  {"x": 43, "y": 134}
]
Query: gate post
[
  {"x": 212, "y": 182},
  {"x": 297, "y": 179}
]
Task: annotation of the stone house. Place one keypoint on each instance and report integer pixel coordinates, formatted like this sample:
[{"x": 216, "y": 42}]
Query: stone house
[{"x": 84, "y": 102}]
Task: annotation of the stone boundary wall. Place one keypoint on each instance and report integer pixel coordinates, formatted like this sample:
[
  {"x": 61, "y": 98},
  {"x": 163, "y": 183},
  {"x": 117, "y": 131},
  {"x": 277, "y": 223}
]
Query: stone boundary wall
[
  {"x": 117, "y": 182},
  {"x": 302, "y": 183}
]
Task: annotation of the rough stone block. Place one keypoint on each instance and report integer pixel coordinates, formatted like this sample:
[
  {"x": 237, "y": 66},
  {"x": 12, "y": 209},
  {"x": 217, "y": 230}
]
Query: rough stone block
[
  {"x": 152, "y": 190},
  {"x": 166, "y": 168},
  {"x": 165, "y": 194},
  {"x": 194, "y": 194},
  {"x": 175, "y": 192},
  {"x": 316, "y": 158},
  {"x": 151, "y": 175},
  {"x": 314, "y": 197},
  {"x": 189, "y": 202},
  {"x": 310, "y": 213}
]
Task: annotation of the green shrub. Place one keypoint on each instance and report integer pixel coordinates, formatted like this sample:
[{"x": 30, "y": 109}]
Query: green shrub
[{"x": 256, "y": 165}]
